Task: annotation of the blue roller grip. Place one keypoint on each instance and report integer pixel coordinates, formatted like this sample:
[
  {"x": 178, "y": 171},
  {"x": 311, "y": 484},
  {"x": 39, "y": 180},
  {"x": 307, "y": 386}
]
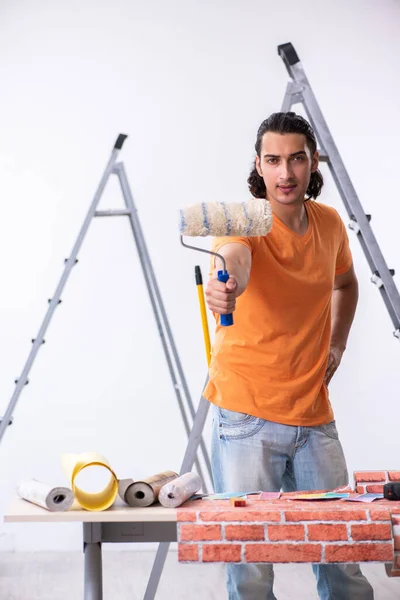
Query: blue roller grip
[{"x": 225, "y": 319}]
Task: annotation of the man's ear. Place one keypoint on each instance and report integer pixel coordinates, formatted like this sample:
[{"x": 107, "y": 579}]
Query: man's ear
[
  {"x": 315, "y": 162},
  {"x": 258, "y": 168}
]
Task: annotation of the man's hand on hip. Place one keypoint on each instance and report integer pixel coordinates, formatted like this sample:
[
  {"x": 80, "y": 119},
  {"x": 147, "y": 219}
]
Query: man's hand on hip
[
  {"x": 334, "y": 360},
  {"x": 221, "y": 297}
]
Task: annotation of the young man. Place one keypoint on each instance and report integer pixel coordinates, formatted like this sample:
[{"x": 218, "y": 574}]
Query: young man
[{"x": 294, "y": 294}]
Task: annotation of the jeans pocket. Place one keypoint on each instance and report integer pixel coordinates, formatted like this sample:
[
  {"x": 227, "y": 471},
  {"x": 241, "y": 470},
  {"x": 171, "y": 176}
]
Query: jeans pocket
[
  {"x": 330, "y": 430},
  {"x": 232, "y": 416},
  {"x": 237, "y": 425}
]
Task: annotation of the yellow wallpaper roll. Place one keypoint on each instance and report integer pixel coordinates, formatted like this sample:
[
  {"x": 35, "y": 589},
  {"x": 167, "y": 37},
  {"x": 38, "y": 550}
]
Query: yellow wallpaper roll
[{"x": 76, "y": 466}]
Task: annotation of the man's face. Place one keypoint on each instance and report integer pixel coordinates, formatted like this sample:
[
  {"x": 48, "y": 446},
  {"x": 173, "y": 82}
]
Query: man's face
[{"x": 286, "y": 164}]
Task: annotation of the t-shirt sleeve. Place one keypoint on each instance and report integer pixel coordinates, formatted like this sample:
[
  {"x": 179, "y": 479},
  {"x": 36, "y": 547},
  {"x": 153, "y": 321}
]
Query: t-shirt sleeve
[
  {"x": 218, "y": 242},
  {"x": 344, "y": 258}
]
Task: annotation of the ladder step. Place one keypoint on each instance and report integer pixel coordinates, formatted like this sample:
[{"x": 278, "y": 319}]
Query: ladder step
[
  {"x": 26, "y": 382},
  {"x": 34, "y": 340},
  {"x": 376, "y": 278},
  {"x": 355, "y": 226},
  {"x": 113, "y": 213},
  {"x": 67, "y": 259},
  {"x": 50, "y": 299}
]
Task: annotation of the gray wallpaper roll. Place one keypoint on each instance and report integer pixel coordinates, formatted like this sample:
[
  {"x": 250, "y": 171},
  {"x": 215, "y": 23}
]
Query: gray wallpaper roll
[
  {"x": 145, "y": 492},
  {"x": 52, "y": 498}
]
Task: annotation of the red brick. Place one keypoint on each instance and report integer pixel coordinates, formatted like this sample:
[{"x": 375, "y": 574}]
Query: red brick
[
  {"x": 283, "y": 553},
  {"x": 397, "y": 560},
  {"x": 188, "y": 552},
  {"x": 326, "y": 515},
  {"x": 375, "y": 489},
  {"x": 360, "y": 489},
  {"x": 241, "y": 514},
  {"x": 395, "y": 520},
  {"x": 327, "y": 533},
  {"x": 365, "y": 476},
  {"x": 394, "y": 475},
  {"x": 186, "y": 515},
  {"x": 286, "y": 532},
  {"x": 222, "y": 552},
  {"x": 244, "y": 532},
  {"x": 358, "y": 553},
  {"x": 391, "y": 571},
  {"x": 397, "y": 542},
  {"x": 379, "y": 515},
  {"x": 371, "y": 532},
  {"x": 198, "y": 533}
]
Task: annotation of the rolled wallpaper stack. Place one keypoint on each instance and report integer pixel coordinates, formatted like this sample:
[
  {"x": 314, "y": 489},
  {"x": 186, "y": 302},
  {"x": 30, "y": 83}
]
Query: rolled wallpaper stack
[{"x": 94, "y": 485}]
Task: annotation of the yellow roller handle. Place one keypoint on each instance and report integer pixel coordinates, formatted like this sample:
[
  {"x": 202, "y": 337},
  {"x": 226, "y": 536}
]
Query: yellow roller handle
[{"x": 203, "y": 312}]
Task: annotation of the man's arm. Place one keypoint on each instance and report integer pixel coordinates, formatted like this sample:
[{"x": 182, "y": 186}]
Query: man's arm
[
  {"x": 221, "y": 297},
  {"x": 344, "y": 304}
]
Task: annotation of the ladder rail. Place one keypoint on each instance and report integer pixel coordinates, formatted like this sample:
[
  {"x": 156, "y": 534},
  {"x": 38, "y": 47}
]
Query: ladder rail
[
  {"x": 299, "y": 91},
  {"x": 187, "y": 464},
  {"x": 178, "y": 379}
]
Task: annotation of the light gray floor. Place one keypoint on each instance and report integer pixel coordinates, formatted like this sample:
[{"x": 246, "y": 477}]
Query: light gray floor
[{"x": 59, "y": 576}]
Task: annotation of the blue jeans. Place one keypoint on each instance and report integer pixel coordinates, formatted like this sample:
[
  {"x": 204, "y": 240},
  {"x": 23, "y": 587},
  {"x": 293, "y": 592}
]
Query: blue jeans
[{"x": 250, "y": 454}]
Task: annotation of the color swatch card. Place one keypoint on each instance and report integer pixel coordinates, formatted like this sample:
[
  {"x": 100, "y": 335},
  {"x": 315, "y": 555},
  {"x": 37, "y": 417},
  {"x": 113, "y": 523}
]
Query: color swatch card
[
  {"x": 269, "y": 495},
  {"x": 320, "y": 496},
  {"x": 366, "y": 497},
  {"x": 228, "y": 495}
]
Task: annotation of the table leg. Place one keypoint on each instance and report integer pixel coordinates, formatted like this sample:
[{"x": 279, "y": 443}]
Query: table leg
[
  {"x": 93, "y": 563},
  {"x": 93, "y": 571}
]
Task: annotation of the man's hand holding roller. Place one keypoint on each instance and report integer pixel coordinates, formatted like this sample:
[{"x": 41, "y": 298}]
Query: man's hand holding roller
[{"x": 221, "y": 297}]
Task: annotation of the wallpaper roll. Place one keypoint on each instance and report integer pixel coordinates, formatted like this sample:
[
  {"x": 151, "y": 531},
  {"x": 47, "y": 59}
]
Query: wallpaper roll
[
  {"x": 52, "y": 498},
  {"x": 87, "y": 467},
  {"x": 145, "y": 492},
  {"x": 176, "y": 492}
]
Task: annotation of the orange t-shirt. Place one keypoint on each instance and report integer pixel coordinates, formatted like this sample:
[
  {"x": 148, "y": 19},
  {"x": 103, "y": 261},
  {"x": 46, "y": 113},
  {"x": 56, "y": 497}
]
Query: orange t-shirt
[{"x": 271, "y": 363}]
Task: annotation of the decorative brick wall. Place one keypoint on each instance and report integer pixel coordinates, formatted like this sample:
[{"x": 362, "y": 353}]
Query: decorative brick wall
[
  {"x": 289, "y": 530},
  {"x": 373, "y": 481},
  {"x": 393, "y": 569}
]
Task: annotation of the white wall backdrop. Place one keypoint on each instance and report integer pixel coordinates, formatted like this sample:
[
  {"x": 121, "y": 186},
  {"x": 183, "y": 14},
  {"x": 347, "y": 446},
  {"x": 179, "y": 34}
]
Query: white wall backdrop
[{"x": 189, "y": 82}]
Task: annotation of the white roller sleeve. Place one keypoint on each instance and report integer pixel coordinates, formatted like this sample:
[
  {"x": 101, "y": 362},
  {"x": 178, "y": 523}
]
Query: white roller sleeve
[
  {"x": 251, "y": 218},
  {"x": 176, "y": 492}
]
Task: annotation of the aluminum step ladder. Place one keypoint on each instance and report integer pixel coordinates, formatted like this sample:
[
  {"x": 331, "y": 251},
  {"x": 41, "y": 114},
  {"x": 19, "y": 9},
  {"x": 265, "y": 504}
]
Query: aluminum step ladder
[
  {"x": 299, "y": 91},
  {"x": 171, "y": 354}
]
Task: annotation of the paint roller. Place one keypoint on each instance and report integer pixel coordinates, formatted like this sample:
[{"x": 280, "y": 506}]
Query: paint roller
[{"x": 219, "y": 219}]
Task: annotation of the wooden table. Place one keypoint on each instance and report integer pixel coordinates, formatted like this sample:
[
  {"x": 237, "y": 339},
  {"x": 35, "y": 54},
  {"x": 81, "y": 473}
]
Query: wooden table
[{"x": 209, "y": 531}]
